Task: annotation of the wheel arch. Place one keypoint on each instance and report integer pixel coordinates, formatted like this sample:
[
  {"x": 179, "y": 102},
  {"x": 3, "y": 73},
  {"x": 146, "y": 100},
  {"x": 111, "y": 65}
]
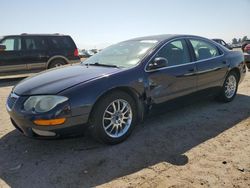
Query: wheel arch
[
  {"x": 139, "y": 100},
  {"x": 55, "y": 58},
  {"x": 237, "y": 71}
]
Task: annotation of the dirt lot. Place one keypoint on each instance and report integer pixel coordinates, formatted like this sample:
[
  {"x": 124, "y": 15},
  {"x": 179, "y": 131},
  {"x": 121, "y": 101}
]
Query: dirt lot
[{"x": 206, "y": 144}]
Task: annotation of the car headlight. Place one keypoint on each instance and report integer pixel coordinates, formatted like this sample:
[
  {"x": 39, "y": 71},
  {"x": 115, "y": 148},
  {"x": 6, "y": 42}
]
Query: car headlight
[{"x": 43, "y": 103}]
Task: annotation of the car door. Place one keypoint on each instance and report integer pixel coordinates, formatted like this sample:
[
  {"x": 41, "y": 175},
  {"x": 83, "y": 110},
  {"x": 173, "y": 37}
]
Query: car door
[
  {"x": 177, "y": 78},
  {"x": 211, "y": 64},
  {"x": 35, "y": 52},
  {"x": 10, "y": 57}
]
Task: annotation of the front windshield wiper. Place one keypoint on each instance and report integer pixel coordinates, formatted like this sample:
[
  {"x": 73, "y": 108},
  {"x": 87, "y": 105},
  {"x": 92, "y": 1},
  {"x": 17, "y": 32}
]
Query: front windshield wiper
[{"x": 103, "y": 65}]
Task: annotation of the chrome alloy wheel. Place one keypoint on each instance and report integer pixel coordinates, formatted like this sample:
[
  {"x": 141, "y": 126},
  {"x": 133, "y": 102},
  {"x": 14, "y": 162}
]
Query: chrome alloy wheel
[
  {"x": 117, "y": 118},
  {"x": 230, "y": 86}
]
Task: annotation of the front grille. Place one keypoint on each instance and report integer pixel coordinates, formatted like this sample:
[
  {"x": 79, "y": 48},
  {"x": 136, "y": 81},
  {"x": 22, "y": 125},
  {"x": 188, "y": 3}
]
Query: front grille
[{"x": 11, "y": 100}]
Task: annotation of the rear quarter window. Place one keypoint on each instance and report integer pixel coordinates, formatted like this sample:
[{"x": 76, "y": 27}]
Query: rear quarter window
[{"x": 62, "y": 42}]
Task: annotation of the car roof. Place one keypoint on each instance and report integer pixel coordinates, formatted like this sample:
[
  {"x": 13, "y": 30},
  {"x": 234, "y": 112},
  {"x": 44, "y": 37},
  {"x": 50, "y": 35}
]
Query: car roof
[
  {"x": 36, "y": 35},
  {"x": 163, "y": 37}
]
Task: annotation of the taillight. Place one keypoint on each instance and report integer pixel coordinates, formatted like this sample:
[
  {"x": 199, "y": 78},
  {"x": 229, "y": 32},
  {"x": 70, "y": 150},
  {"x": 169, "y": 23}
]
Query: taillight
[{"x": 76, "y": 52}]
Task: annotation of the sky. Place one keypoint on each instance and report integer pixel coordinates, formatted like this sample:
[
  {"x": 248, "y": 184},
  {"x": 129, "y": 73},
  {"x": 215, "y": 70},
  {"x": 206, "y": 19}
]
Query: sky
[{"x": 99, "y": 23}]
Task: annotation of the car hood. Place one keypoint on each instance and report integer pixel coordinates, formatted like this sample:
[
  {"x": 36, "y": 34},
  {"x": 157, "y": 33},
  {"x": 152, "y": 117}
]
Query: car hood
[{"x": 55, "y": 80}]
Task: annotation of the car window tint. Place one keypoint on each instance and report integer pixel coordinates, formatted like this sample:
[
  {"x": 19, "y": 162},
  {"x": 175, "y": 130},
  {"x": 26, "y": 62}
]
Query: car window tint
[
  {"x": 204, "y": 50},
  {"x": 30, "y": 43},
  {"x": 12, "y": 44},
  {"x": 41, "y": 43},
  {"x": 61, "y": 42},
  {"x": 35, "y": 43},
  {"x": 67, "y": 42},
  {"x": 175, "y": 52}
]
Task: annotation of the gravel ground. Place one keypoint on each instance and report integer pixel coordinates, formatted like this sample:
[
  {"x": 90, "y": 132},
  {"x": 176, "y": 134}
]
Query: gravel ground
[{"x": 205, "y": 144}]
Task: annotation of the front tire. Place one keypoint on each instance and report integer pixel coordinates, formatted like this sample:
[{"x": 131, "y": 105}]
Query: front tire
[
  {"x": 230, "y": 87},
  {"x": 113, "y": 118}
]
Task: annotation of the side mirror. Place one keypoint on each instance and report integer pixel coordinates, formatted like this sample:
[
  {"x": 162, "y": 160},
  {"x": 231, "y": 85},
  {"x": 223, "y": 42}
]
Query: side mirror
[
  {"x": 2, "y": 47},
  {"x": 158, "y": 62}
]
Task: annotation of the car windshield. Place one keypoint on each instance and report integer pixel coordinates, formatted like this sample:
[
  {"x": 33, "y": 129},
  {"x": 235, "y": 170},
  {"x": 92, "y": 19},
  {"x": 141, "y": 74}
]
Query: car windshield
[{"x": 125, "y": 54}]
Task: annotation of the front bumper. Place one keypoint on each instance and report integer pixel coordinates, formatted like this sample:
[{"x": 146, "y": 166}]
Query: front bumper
[{"x": 74, "y": 125}]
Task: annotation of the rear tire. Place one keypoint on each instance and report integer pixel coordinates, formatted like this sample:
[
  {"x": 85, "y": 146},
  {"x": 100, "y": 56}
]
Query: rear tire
[
  {"x": 114, "y": 118},
  {"x": 57, "y": 63},
  {"x": 229, "y": 88}
]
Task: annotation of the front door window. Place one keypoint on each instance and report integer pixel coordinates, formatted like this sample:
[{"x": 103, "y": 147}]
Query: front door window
[
  {"x": 175, "y": 52},
  {"x": 12, "y": 44}
]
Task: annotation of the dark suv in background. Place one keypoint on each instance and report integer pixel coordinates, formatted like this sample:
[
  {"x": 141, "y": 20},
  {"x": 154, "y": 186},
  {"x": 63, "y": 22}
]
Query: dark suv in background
[{"x": 27, "y": 53}]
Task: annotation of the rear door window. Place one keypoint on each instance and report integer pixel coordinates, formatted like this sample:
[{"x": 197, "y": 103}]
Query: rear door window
[
  {"x": 35, "y": 43},
  {"x": 204, "y": 50},
  {"x": 12, "y": 43}
]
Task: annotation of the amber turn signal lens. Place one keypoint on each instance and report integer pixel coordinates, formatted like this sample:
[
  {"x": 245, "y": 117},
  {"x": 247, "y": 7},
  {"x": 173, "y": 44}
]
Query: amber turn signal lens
[{"x": 50, "y": 122}]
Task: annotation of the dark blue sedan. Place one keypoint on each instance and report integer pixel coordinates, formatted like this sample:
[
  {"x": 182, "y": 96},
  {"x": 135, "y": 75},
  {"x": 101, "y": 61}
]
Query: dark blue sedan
[{"x": 113, "y": 90}]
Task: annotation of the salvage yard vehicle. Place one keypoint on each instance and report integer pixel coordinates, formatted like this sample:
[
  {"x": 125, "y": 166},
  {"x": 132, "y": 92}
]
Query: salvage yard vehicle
[
  {"x": 244, "y": 44},
  {"x": 247, "y": 55},
  {"x": 28, "y": 53},
  {"x": 223, "y": 43},
  {"x": 113, "y": 90}
]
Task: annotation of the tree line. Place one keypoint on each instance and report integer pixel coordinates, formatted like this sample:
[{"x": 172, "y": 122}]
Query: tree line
[{"x": 239, "y": 41}]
